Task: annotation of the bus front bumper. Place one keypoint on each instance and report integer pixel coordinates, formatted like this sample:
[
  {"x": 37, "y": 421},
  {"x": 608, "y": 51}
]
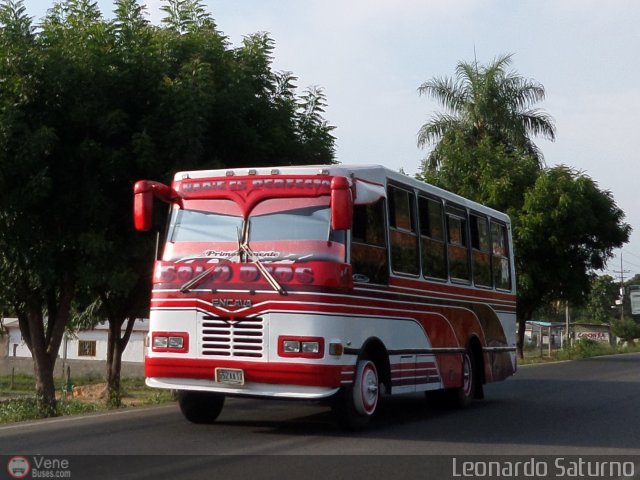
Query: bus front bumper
[{"x": 263, "y": 379}]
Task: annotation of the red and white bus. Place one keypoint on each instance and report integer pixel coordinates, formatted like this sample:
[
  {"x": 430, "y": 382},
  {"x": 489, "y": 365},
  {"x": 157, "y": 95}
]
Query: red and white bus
[{"x": 325, "y": 282}]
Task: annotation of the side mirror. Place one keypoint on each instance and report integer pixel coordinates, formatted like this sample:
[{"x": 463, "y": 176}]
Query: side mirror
[
  {"x": 341, "y": 204},
  {"x": 143, "y": 193},
  {"x": 142, "y": 205}
]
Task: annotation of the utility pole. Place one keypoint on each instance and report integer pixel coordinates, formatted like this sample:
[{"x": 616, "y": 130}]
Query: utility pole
[
  {"x": 621, "y": 272},
  {"x": 621, "y": 289}
]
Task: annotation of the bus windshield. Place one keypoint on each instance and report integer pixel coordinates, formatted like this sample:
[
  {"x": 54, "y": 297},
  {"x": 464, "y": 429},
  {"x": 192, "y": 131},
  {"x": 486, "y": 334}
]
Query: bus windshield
[{"x": 291, "y": 229}]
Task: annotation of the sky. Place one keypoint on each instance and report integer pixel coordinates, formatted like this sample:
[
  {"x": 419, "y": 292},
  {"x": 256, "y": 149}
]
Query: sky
[{"x": 370, "y": 57}]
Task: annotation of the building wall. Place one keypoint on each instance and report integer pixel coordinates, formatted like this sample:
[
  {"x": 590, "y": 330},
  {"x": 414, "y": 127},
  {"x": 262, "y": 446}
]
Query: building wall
[
  {"x": 89, "y": 345},
  {"x": 134, "y": 352},
  {"x": 598, "y": 333},
  {"x": 4, "y": 344},
  {"x": 15, "y": 355},
  {"x": 79, "y": 368},
  {"x": 16, "y": 346}
]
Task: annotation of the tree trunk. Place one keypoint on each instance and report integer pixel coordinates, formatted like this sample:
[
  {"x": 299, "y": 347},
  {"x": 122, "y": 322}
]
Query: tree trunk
[
  {"x": 45, "y": 387},
  {"x": 31, "y": 321},
  {"x": 114, "y": 362},
  {"x": 114, "y": 389},
  {"x": 43, "y": 338},
  {"x": 523, "y": 317},
  {"x": 115, "y": 348}
]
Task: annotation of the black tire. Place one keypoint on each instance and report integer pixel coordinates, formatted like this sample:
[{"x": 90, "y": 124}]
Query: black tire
[
  {"x": 354, "y": 406},
  {"x": 460, "y": 397},
  {"x": 463, "y": 396},
  {"x": 200, "y": 407}
]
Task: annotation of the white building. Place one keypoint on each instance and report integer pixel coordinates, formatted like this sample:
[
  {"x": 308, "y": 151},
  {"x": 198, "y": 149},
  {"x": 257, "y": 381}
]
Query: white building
[{"x": 82, "y": 345}]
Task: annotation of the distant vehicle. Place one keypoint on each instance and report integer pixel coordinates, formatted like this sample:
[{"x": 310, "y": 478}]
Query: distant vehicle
[
  {"x": 325, "y": 282},
  {"x": 634, "y": 298}
]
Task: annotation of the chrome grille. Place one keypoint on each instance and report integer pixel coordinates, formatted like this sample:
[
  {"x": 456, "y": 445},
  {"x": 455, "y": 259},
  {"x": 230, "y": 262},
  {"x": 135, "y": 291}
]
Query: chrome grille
[{"x": 240, "y": 337}]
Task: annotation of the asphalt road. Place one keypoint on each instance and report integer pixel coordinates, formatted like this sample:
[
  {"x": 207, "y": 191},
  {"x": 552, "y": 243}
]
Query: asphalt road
[{"x": 545, "y": 412}]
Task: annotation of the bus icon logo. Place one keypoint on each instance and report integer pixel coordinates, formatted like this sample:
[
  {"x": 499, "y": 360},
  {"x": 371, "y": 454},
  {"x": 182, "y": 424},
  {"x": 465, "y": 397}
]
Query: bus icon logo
[{"x": 18, "y": 467}]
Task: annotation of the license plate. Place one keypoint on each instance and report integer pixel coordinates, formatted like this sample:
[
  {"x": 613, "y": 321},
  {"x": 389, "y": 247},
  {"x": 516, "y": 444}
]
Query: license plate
[{"x": 232, "y": 376}]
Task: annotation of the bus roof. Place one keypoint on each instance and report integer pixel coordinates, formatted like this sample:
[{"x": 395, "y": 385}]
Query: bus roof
[{"x": 374, "y": 174}]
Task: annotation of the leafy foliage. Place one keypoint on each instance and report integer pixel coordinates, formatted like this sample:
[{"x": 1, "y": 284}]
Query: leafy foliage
[
  {"x": 478, "y": 172},
  {"x": 485, "y": 101},
  {"x": 587, "y": 348},
  {"x": 564, "y": 226},
  {"x": 602, "y": 296},
  {"x": 626, "y": 329},
  {"x": 90, "y": 105},
  {"x": 569, "y": 227}
]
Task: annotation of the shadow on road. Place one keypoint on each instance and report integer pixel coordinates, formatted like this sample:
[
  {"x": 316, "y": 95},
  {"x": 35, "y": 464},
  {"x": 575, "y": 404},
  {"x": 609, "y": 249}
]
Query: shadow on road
[{"x": 531, "y": 411}]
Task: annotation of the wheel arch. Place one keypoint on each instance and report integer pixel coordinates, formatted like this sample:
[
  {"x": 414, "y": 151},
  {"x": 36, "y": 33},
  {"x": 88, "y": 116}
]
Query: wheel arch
[
  {"x": 375, "y": 350},
  {"x": 474, "y": 346}
]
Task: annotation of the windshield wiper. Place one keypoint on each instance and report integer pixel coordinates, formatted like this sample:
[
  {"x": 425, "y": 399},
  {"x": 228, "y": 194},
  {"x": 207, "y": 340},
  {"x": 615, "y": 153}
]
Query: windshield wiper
[
  {"x": 262, "y": 269},
  {"x": 243, "y": 247},
  {"x": 197, "y": 279},
  {"x": 251, "y": 256},
  {"x": 201, "y": 276}
]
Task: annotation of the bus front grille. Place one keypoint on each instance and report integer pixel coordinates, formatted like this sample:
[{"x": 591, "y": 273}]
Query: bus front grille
[{"x": 238, "y": 337}]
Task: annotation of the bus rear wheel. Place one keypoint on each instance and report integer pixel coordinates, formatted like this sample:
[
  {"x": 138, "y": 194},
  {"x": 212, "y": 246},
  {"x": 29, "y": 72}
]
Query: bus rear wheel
[
  {"x": 471, "y": 387},
  {"x": 200, "y": 407},
  {"x": 465, "y": 392},
  {"x": 356, "y": 405}
]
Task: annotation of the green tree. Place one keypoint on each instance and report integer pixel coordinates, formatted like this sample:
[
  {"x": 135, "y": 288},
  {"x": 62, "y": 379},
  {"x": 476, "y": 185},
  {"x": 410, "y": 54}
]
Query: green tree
[
  {"x": 480, "y": 172},
  {"x": 39, "y": 229},
  {"x": 626, "y": 329},
  {"x": 564, "y": 227},
  {"x": 602, "y": 296},
  {"x": 567, "y": 229},
  {"x": 183, "y": 16},
  {"x": 90, "y": 105},
  {"x": 484, "y": 102}
]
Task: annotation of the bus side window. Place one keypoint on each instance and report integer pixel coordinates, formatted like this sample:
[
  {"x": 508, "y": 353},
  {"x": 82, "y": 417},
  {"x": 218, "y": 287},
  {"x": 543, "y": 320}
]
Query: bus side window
[
  {"x": 480, "y": 251},
  {"x": 457, "y": 244},
  {"x": 403, "y": 231},
  {"x": 432, "y": 242},
  {"x": 368, "y": 244},
  {"x": 500, "y": 256}
]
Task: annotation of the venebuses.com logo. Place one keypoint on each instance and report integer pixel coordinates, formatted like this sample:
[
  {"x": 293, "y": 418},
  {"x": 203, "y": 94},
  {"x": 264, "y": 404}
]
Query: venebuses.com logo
[
  {"x": 18, "y": 467},
  {"x": 40, "y": 466}
]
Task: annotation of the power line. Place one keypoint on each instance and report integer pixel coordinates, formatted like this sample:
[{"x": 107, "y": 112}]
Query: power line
[
  {"x": 627, "y": 262},
  {"x": 629, "y": 252}
]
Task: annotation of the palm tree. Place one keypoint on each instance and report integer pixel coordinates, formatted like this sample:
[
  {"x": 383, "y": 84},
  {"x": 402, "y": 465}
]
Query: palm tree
[{"x": 485, "y": 101}]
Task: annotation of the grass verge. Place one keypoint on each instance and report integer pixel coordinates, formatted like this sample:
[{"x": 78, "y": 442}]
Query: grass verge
[
  {"x": 582, "y": 349},
  {"x": 88, "y": 394},
  {"x": 18, "y": 403}
]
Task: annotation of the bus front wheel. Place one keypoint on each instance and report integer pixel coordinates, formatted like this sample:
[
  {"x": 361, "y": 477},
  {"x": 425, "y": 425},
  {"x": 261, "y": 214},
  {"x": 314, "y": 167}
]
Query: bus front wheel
[
  {"x": 200, "y": 407},
  {"x": 356, "y": 405}
]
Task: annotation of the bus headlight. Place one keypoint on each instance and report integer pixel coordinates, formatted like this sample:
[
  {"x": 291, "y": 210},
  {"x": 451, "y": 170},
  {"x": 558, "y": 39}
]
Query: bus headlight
[
  {"x": 160, "y": 342},
  {"x": 177, "y": 342},
  {"x": 310, "y": 347},
  {"x": 303, "y": 347},
  {"x": 290, "y": 346}
]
